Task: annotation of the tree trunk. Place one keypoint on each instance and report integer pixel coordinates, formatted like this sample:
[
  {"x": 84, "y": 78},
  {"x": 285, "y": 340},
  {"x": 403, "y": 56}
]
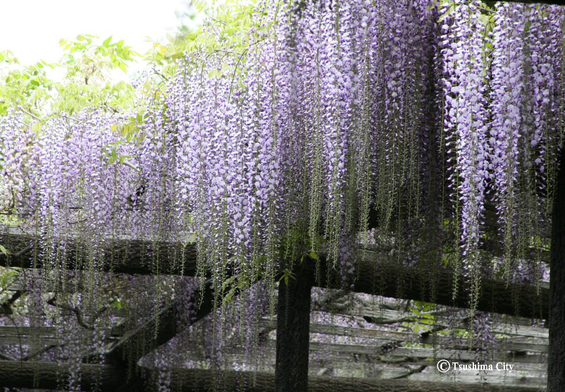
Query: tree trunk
[
  {"x": 293, "y": 332},
  {"x": 556, "y": 359}
]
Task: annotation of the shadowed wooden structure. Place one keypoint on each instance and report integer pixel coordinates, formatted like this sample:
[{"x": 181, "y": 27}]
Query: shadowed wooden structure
[{"x": 289, "y": 341}]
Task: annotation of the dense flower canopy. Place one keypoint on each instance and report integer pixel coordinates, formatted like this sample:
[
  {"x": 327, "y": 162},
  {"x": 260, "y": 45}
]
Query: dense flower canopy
[
  {"x": 345, "y": 122},
  {"x": 337, "y": 112}
]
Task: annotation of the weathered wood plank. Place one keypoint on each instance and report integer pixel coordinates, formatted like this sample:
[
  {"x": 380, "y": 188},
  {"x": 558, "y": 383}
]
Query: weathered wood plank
[
  {"x": 48, "y": 375},
  {"x": 515, "y": 343},
  {"x": 161, "y": 328},
  {"x": 45, "y": 375},
  {"x": 412, "y": 354},
  {"x": 197, "y": 380},
  {"x": 122, "y": 255}
]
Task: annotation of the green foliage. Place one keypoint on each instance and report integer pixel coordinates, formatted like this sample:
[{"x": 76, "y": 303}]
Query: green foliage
[
  {"x": 87, "y": 64},
  {"x": 286, "y": 276},
  {"x": 226, "y": 27},
  {"x": 228, "y": 30},
  {"x": 117, "y": 304},
  {"x": 23, "y": 86},
  {"x": 539, "y": 243},
  {"x": 423, "y": 320},
  {"x": 7, "y": 276},
  {"x": 93, "y": 58},
  {"x": 313, "y": 256},
  {"x": 131, "y": 133}
]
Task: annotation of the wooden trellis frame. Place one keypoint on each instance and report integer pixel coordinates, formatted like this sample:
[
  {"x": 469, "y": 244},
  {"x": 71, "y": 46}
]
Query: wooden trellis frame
[{"x": 134, "y": 257}]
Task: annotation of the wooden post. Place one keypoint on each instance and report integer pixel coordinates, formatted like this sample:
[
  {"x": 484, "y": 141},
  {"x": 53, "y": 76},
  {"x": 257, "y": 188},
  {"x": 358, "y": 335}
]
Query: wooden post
[
  {"x": 556, "y": 358},
  {"x": 293, "y": 332}
]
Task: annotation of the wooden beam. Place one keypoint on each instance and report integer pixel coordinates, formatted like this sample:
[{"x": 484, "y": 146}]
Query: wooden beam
[
  {"x": 161, "y": 328},
  {"x": 376, "y": 274},
  {"x": 50, "y": 375},
  {"x": 380, "y": 337},
  {"x": 124, "y": 255},
  {"x": 154, "y": 332}
]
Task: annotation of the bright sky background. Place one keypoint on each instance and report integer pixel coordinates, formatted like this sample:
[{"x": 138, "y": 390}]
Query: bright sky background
[{"x": 31, "y": 29}]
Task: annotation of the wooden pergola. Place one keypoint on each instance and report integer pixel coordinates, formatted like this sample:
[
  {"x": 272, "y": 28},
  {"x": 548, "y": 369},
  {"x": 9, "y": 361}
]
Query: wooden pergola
[{"x": 292, "y": 344}]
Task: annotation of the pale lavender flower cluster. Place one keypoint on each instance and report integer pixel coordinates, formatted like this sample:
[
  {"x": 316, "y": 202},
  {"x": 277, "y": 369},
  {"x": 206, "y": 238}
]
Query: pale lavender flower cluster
[
  {"x": 500, "y": 119},
  {"x": 545, "y": 103},
  {"x": 509, "y": 106},
  {"x": 16, "y": 152},
  {"x": 465, "y": 119},
  {"x": 324, "y": 117},
  {"x": 80, "y": 180},
  {"x": 525, "y": 125},
  {"x": 484, "y": 338}
]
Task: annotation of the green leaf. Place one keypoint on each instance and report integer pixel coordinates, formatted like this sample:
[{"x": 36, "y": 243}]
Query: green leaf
[
  {"x": 229, "y": 296},
  {"x": 485, "y": 19},
  {"x": 112, "y": 157},
  {"x": 117, "y": 304},
  {"x": 36, "y": 128},
  {"x": 107, "y": 41},
  {"x": 228, "y": 282},
  {"x": 314, "y": 255},
  {"x": 287, "y": 275},
  {"x": 449, "y": 11},
  {"x": 3, "y": 250},
  {"x": 123, "y": 158}
]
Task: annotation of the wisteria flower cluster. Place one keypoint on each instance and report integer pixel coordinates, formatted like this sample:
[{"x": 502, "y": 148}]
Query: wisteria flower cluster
[
  {"x": 524, "y": 128},
  {"x": 288, "y": 149},
  {"x": 498, "y": 80},
  {"x": 465, "y": 84}
]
